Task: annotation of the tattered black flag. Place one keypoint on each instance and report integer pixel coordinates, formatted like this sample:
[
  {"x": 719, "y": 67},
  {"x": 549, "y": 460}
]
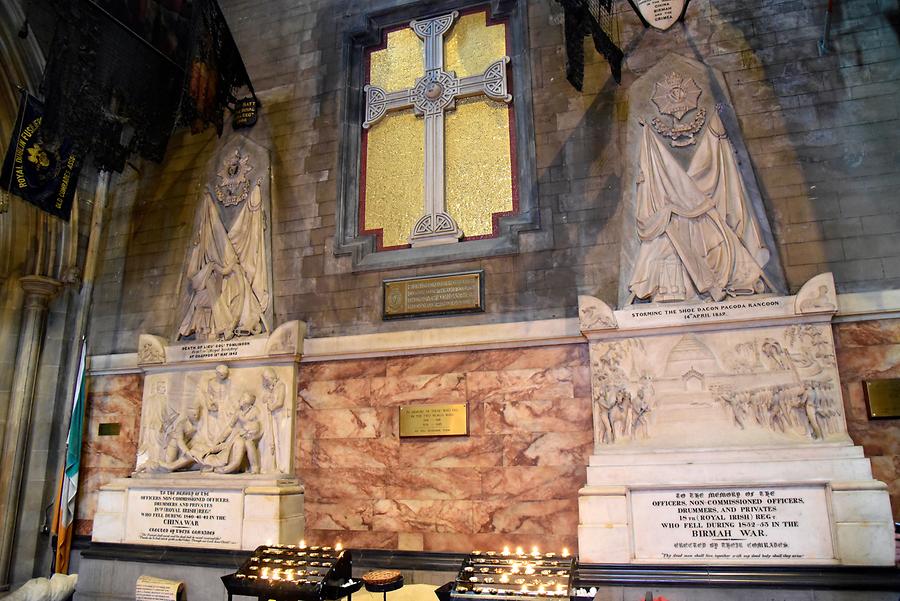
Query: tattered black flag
[
  {"x": 579, "y": 22},
  {"x": 44, "y": 176}
]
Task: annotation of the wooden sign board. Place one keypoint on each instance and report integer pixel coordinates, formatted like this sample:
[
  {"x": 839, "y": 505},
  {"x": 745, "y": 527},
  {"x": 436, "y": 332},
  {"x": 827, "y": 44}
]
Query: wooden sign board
[
  {"x": 434, "y": 420},
  {"x": 431, "y": 295},
  {"x": 883, "y": 398}
]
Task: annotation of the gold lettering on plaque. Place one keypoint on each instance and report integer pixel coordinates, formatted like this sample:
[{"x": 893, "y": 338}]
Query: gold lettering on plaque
[
  {"x": 437, "y": 294},
  {"x": 434, "y": 420},
  {"x": 883, "y": 398}
]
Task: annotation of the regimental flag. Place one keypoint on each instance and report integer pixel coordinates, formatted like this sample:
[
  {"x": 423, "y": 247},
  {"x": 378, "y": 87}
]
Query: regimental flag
[
  {"x": 65, "y": 505},
  {"x": 43, "y": 176}
]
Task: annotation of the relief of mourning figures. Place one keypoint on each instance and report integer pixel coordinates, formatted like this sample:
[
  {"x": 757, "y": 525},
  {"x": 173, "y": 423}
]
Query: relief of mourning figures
[
  {"x": 773, "y": 385},
  {"x": 695, "y": 225},
  {"x": 228, "y": 422},
  {"x": 227, "y": 278},
  {"x": 620, "y": 405}
]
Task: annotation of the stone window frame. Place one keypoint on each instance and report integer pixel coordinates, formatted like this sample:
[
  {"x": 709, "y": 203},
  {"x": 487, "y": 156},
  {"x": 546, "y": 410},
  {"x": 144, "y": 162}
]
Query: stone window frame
[{"x": 367, "y": 30}]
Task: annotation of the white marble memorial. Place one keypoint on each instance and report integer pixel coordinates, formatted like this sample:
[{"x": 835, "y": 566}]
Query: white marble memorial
[
  {"x": 214, "y": 466},
  {"x": 713, "y": 393},
  {"x": 703, "y": 409}
]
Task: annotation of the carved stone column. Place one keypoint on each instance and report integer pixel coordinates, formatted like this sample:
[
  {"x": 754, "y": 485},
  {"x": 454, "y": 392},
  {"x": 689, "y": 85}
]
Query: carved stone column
[{"x": 39, "y": 290}]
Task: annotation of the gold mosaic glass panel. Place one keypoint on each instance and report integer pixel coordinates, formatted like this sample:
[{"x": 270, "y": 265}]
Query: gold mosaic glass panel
[
  {"x": 478, "y": 172},
  {"x": 397, "y": 66},
  {"x": 395, "y": 176},
  {"x": 478, "y": 162},
  {"x": 472, "y": 46}
]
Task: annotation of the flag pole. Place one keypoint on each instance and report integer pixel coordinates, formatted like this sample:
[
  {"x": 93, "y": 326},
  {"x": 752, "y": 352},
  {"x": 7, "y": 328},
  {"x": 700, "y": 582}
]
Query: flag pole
[{"x": 98, "y": 212}]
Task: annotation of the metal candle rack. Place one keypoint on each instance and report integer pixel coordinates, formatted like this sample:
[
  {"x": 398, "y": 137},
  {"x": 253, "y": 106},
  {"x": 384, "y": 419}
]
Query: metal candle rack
[{"x": 518, "y": 576}]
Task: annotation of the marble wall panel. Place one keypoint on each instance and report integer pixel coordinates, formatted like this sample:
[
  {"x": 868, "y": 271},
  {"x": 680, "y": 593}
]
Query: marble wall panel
[
  {"x": 513, "y": 480},
  {"x": 353, "y": 515},
  {"x": 429, "y": 388},
  {"x": 870, "y": 350},
  {"x": 359, "y": 422},
  {"x": 521, "y": 384},
  {"x": 108, "y": 400}
]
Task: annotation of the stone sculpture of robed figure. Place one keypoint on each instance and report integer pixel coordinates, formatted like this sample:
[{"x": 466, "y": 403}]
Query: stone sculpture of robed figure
[
  {"x": 699, "y": 238},
  {"x": 227, "y": 277}
]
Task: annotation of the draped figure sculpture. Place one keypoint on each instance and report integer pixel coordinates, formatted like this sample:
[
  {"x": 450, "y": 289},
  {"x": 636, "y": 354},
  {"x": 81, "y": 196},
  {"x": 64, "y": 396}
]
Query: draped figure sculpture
[
  {"x": 227, "y": 274},
  {"x": 699, "y": 238}
]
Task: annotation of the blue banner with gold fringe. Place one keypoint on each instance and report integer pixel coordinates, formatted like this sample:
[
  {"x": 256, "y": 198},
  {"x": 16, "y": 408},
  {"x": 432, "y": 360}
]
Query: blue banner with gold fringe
[{"x": 43, "y": 176}]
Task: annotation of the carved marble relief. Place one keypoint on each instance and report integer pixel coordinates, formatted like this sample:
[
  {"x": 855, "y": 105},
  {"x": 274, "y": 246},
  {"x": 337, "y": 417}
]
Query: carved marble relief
[
  {"x": 223, "y": 420},
  {"x": 695, "y": 227},
  {"x": 762, "y": 385},
  {"x": 227, "y": 280}
]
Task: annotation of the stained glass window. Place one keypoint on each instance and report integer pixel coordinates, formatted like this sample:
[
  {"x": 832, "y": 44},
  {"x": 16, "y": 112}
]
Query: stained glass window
[{"x": 439, "y": 133}]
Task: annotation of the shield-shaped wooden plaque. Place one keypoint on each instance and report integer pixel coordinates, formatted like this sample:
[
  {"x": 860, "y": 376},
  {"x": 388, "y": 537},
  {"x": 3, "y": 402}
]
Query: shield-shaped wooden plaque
[{"x": 659, "y": 14}]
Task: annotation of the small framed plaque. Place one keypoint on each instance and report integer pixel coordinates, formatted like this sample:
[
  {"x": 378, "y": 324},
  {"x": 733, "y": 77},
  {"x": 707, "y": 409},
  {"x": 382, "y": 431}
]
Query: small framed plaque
[
  {"x": 109, "y": 429},
  {"x": 434, "y": 295},
  {"x": 882, "y": 398},
  {"x": 434, "y": 420}
]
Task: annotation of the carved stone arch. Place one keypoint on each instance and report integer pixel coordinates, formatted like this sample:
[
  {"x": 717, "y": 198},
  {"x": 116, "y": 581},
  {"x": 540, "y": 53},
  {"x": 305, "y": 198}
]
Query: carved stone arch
[{"x": 714, "y": 97}]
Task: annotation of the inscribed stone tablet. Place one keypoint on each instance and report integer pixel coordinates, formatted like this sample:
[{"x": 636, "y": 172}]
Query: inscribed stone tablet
[{"x": 759, "y": 524}]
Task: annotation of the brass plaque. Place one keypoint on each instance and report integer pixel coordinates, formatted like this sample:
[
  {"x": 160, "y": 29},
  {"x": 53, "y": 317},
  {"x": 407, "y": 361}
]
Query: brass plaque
[
  {"x": 883, "y": 398},
  {"x": 434, "y": 420},
  {"x": 109, "y": 429},
  {"x": 434, "y": 295}
]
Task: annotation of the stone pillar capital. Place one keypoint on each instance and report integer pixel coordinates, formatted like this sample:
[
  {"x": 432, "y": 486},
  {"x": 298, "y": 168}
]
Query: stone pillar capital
[{"x": 39, "y": 289}]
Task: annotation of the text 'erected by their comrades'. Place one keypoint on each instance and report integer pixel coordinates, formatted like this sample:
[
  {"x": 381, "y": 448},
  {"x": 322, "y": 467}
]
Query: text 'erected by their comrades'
[
  {"x": 728, "y": 524},
  {"x": 196, "y": 516}
]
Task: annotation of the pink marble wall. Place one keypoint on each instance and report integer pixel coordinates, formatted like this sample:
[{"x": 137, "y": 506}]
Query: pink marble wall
[
  {"x": 110, "y": 399},
  {"x": 514, "y": 480},
  {"x": 870, "y": 350}
]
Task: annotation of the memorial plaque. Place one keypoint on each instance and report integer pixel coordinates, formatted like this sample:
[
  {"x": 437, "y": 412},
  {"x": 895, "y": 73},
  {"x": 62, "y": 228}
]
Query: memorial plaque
[
  {"x": 434, "y": 420},
  {"x": 883, "y": 398},
  {"x": 109, "y": 429},
  {"x": 187, "y": 517},
  {"x": 447, "y": 294},
  {"x": 660, "y": 14},
  {"x": 760, "y": 524}
]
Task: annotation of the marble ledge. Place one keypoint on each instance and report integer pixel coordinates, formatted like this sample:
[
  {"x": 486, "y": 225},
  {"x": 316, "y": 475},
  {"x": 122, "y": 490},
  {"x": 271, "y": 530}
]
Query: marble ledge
[{"x": 854, "y": 306}]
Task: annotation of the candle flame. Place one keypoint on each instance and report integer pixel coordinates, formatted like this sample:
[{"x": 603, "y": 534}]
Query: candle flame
[
  {"x": 565, "y": 552},
  {"x": 338, "y": 547},
  {"x": 520, "y": 551},
  {"x": 302, "y": 543},
  {"x": 505, "y": 550}
]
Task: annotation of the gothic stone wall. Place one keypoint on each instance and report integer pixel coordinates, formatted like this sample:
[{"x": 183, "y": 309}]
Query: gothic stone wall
[
  {"x": 822, "y": 132},
  {"x": 514, "y": 480}
]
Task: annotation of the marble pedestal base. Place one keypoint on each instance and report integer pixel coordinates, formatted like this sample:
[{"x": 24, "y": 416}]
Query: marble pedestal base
[
  {"x": 827, "y": 488},
  {"x": 209, "y": 511}
]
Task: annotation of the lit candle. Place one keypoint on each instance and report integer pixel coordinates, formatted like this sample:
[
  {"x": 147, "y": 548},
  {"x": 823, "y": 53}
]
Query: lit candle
[
  {"x": 302, "y": 543},
  {"x": 505, "y": 550},
  {"x": 565, "y": 552},
  {"x": 504, "y": 579},
  {"x": 265, "y": 573},
  {"x": 520, "y": 551},
  {"x": 534, "y": 551},
  {"x": 338, "y": 547}
]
